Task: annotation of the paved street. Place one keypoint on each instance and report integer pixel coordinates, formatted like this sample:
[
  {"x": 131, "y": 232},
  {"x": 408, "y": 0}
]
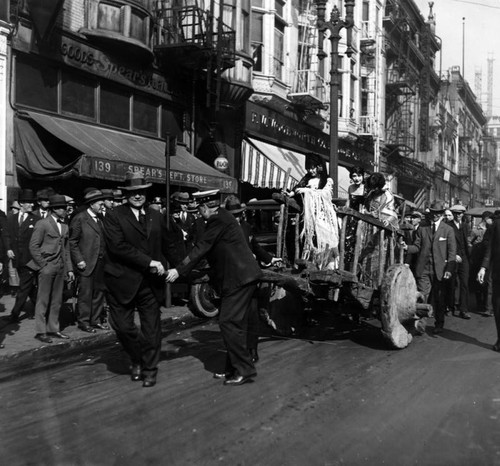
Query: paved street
[{"x": 337, "y": 398}]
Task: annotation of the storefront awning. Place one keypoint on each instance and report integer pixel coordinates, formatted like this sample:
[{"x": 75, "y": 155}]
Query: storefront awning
[
  {"x": 265, "y": 165},
  {"x": 96, "y": 152}
]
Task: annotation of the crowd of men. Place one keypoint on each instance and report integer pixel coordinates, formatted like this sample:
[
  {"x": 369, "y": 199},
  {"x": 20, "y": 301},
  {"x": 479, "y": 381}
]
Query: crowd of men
[
  {"x": 115, "y": 247},
  {"x": 446, "y": 253}
]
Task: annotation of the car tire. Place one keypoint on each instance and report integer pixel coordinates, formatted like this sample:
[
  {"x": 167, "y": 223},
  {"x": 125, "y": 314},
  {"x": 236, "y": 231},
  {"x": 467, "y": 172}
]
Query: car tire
[{"x": 203, "y": 302}]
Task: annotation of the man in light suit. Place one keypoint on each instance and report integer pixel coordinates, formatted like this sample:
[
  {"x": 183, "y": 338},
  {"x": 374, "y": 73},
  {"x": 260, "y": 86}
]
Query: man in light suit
[
  {"x": 51, "y": 258},
  {"x": 436, "y": 247},
  {"x": 17, "y": 238},
  {"x": 138, "y": 245},
  {"x": 87, "y": 246}
]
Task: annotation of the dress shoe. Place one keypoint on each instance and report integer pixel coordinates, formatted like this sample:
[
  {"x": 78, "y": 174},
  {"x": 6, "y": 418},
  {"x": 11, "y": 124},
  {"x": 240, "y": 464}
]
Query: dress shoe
[
  {"x": 149, "y": 381},
  {"x": 464, "y": 315},
  {"x": 60, "y": 335},
  {"x": 86, "y": 328},
  {"x": 237, "y": 380},
  {"x": 13, "y": 319},
  {"x": 136, "y": 373},
  {"x": 222, "y": 375},
  {"x": 101, "y": 326},
  {"x": 43, "y": 338},
  {"x": 437, "y": 330},
  {"x": 488, "y": 314},
  {"x": 253, "y": 354}
]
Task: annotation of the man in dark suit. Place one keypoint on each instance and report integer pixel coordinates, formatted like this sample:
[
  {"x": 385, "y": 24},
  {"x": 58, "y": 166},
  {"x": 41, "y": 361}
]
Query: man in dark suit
[
  {"x": 491, "y": 263},
  {"x": 42, "y": 198},
  {"x": 51, "y": 258},
  {"x": 460, "y": 281},
  {"x": 17, "y": 238},
  {"x": 235, "y": 274},
  {"x": 87, "y": 246},
  {"x": 138, "y": 245},
  {"x": 436, "y": 248}
]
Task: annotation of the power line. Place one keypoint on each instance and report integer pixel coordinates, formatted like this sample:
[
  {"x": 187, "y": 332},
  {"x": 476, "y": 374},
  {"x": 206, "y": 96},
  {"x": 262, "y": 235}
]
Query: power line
[{"x": 477, "y": 3}]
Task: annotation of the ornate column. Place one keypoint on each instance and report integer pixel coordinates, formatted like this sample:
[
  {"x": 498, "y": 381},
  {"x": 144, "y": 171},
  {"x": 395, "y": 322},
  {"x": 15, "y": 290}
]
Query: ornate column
[{"x": 5, "y": 30}]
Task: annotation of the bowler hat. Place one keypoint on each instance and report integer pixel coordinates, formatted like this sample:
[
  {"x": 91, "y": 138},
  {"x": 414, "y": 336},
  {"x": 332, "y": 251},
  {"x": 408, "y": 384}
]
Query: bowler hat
[
  {"x": 157, "y": 200},
  {"x": 117, "y": 195},
  {"x": 458, "y": 208},
  {"x": 26, "y": 195},
  {"x": 437, "y": 206},
  {"x": 210, "y": 198},
  {"x": 192, "y": 207},
  {"x": 135, "y": 181},
  {"x": 57, "y": 201},
  {"x": 233, "y": 205},
  {"x": 93, "y": 196}
]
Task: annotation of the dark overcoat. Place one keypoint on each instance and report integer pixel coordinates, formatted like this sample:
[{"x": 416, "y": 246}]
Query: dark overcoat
[
  {"x": 86, "y": 241},
  {"x": 224, "y": 245},
  {"x": 491, "y": 259},
  {"x": 131, "y": 248},
  {"x": 18, "y": 237}
]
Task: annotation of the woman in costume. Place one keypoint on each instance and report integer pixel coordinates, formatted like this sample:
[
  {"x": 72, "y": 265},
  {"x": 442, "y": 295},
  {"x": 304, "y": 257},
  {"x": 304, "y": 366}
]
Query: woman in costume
[{"x": 356, "y": 199}]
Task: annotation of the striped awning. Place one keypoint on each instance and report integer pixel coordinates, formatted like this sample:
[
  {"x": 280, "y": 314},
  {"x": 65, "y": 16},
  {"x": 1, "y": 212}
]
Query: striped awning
[{"x": 265, "y": 165}]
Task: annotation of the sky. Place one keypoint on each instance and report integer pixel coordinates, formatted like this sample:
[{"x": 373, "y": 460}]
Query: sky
[{"x": 481, "y": 31}]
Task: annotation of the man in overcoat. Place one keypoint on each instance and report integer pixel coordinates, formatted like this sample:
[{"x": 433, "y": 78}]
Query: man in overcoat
[
  {"x": 235, "y": 274},
  {"x": 87, "y": 246},
  {"x": 138, "y": 245},
  {"x": 17, "y": 238},
  {"x": 51, "y": 259},
  {"x": 436, "y": 251}
]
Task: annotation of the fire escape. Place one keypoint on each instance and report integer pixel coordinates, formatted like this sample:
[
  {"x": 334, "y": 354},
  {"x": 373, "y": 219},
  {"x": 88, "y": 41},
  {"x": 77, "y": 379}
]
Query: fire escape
[
  {"x": 402, "y": 79},
  {"x": 191, "y": 41}
]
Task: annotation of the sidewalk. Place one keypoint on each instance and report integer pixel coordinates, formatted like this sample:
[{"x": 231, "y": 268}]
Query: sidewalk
[{"x": 22, "y": 352}]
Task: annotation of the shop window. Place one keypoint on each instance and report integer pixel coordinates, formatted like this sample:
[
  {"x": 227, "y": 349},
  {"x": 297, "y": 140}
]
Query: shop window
[
  {"x": 36, "y": 84},
  {"x": 115, "y": 106},
  {"x": 145, "y": 114},
  {"x": 109, "y": 17},
  {"x": 77, "y": 95},
  {"x": 172, "y": 123},
  {"x": 278, "y": 59},
  {"x": 257, "y": 40}
]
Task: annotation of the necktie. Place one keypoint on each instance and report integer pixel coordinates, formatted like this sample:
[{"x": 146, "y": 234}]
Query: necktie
[
  {"x": 21, "y": 218},
  {"x": 142, "y": 219}
]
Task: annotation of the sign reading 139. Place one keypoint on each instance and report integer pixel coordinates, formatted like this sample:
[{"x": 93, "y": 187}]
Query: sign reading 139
[{"x": 102, "y": 166}]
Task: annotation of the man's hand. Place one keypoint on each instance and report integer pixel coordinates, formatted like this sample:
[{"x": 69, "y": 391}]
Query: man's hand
[
  {"x": 276, "y": 260},
  {"x": 459, "y": 259},
  {"x": 157, "y": 267},
  {"x": 10, "y": 254},
  {"x": 172, "y": 275},
  {"x": 71, "y": 277},
  {"x": 403, "y": 245},
  {"x": 447, "y": 276},
  {"x": 81, "y": 265},
  {"x": 480, "y": 275}
]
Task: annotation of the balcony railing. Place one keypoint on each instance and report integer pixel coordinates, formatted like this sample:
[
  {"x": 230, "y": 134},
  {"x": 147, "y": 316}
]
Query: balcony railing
[{"x": 309, "y": 86}]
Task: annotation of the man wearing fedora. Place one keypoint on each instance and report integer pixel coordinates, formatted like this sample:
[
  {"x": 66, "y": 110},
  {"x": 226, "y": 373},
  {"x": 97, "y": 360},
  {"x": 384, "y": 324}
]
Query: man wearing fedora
[
  {"x": 459, "y": 289},
  {"x": 51, "y": 259},
  {"x": 17, "y": 238},
  {"x": 436, "y": 250},
  {"x": 138, "y": 245},
  {"x": 87, "y": 247},
  {"x": 235, "y": 274}
]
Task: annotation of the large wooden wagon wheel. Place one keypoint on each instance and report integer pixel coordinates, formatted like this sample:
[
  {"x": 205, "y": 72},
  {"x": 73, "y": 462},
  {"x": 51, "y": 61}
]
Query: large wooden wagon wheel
[{"x": 401, "y": 306}]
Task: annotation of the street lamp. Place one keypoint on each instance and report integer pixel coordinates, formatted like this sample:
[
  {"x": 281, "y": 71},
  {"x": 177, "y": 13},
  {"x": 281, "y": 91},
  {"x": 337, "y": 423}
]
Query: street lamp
[{"x": 334, "y": 25}]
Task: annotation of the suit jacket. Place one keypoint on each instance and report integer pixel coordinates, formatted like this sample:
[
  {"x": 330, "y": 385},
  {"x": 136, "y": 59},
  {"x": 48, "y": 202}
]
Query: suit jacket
[
  {"x": 442, "y": 246},
  {"x": 86, "y": 241},
  {"x": 491, "y": 259},
  {"x": 224, "y": 245},
  {"x": 17, "y": 237},
  {"x": 187, "y": 223},
  {"x": 130, "y": 249},
  {"x": 48, "y": 245},
  {"x": 462, "y": 237}
]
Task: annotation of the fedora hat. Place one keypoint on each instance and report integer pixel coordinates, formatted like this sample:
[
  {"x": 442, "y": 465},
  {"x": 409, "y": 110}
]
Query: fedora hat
[
  {"x": 192, "y": 207},
  {"x": 26, "y": 195},
  {"x": 107, "y": 193},
  {"x": 118, "y": 195},
  {"x": 135, "y": 181},
  {"x": 94, "y": 195},
  {"x": 234, "y": 206},
  {"x": 182, "y": 198},
  {"x": 458, "y": 208},
  {"x": 57, "y": 201},
  {"x": 437, "y": 206},
  {"x": 210, "y": 198}
]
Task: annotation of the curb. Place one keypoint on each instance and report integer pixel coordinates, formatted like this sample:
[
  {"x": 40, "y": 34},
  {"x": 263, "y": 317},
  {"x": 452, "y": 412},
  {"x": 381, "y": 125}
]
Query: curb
[{"x": 68, "y": 351}]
